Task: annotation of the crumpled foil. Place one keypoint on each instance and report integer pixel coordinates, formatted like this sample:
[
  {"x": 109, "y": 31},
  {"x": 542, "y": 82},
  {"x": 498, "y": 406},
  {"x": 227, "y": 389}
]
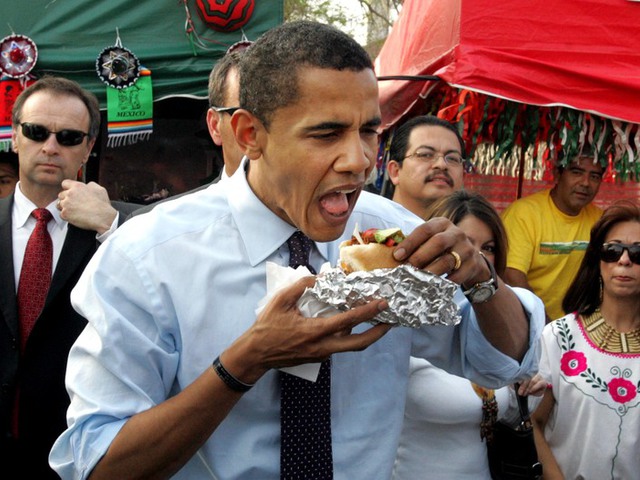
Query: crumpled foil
[{"x": 415, "y": 297}]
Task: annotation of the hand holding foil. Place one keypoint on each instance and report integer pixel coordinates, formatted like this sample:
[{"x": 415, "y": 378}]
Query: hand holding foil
[{"x": 415, "y": 297}]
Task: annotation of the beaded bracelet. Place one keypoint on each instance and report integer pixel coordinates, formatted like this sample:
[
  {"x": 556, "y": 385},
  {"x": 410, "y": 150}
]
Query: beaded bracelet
[{"x": 230, "y": 381}]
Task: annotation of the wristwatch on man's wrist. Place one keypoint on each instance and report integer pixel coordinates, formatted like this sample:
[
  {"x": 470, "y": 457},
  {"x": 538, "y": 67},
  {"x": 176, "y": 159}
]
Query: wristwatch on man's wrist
[{"x": 483, "y": 291}]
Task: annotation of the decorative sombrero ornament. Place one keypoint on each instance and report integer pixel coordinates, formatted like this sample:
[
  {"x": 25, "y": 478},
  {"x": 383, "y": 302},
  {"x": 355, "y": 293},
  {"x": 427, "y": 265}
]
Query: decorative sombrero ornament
[
  {"x": 18, "y": 55},
  {"x": 225, "y": 15},
  {"x": 10, "y": 88},
  {"x": 117, "y": 66}
]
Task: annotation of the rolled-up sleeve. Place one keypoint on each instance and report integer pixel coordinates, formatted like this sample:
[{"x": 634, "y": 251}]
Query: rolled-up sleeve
[{"x": 464, "y": 350}]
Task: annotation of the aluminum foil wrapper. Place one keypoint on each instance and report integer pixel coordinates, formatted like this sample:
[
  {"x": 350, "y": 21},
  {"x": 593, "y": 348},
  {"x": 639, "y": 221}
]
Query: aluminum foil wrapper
[{"x": 415, "y": 297}]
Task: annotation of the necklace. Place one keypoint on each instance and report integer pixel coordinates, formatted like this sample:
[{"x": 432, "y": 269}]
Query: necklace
[
  {"x": 489, "y": 411},
  {"x": 608, "y": 338}
]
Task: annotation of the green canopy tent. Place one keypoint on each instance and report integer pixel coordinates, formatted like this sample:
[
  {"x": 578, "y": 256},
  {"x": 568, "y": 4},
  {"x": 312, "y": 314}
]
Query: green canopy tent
[
  {"x": 174, "y": 42},
  {"x": 168, "y": 37}
]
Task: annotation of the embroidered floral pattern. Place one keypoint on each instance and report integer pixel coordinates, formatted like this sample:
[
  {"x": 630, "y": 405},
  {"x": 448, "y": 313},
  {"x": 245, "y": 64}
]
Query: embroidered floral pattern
[
  {"x": 621, "y": 390},
  {"x": 573, "y": 363},
  {"x": 601, "y": 393}
]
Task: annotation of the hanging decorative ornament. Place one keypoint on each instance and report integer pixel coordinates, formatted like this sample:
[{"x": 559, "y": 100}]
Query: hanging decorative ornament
[
  {"x": 117, "y": 66},
  {"x": 225, "y": 15},
  {"x": 130, "y": 112},
  {"x": 18, "y": 55},
  {"x": 129, "y": 95},
  {"x": 10, "y": 88}
]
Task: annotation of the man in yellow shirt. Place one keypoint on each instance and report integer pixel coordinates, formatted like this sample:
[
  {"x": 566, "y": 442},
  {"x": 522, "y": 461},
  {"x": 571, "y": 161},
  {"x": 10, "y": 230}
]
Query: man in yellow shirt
[{"x": 549, "y": 231}]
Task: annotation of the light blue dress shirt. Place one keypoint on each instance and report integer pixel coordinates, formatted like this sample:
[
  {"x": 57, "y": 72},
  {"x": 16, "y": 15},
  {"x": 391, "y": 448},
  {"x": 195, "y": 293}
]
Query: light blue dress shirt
[{"x": 171, "y": 289}]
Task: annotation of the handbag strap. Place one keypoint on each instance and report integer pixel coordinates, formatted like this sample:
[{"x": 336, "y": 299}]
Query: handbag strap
[{"x": 523, "y": 406}]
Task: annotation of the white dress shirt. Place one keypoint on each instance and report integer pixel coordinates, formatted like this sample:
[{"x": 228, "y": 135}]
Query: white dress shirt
[
  {"x": 23, "y": 223},
  {"x": 171, "y": 289}
]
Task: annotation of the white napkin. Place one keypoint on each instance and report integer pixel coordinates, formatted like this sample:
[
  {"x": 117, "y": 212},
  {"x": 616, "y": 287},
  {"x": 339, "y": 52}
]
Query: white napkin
[{"x": 279, "y": 277}]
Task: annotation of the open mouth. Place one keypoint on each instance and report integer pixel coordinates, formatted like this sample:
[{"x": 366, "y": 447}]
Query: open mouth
[{"x": 339, "y": 203}]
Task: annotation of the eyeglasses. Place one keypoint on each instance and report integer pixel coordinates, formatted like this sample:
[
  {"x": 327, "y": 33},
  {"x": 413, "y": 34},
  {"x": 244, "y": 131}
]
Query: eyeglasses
[
  {"x": 430, "y": 156},
  {"x": 229, "y": 110},
  {"x": 611, "y": 252},
  {"x": 40, "y": 133}
]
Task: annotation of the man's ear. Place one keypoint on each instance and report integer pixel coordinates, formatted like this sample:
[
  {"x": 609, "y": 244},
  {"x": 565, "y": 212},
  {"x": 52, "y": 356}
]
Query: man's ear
[
  {"x": 90, "y": 145},
  {"x": 213, "y": 124},
  {"x": 393, "y": 170},
  {"x": 14, "y": 136},
  {"x": 247, "y": 129}
]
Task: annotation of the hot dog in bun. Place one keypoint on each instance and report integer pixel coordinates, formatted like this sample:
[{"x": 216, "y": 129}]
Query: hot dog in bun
[{"x": 370, "y": 249}]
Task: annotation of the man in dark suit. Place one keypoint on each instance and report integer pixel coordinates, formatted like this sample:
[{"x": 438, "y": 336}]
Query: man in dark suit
[{"x": 55, "y": 125}]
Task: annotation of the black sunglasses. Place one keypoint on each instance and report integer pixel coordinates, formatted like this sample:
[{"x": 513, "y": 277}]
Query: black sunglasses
[
  {"x": 40, "y": 133},
  {"x": 229, "y": 110},
  {"x": 611, "y": 252}
]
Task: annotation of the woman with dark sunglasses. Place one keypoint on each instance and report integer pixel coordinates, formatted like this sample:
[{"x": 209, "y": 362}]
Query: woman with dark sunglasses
[{"x": 588, "y": 422}]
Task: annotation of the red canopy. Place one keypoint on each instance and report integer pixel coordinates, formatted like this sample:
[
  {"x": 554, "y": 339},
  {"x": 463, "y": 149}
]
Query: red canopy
[{"x": 582, "y": 54}]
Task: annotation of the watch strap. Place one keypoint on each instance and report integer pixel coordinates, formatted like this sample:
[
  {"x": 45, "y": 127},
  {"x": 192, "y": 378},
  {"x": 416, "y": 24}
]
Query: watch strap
[{"x": 491, "y": 283}]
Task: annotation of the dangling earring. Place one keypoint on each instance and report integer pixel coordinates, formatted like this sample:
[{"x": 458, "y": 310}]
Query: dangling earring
[{"x": 601, "y": 288}]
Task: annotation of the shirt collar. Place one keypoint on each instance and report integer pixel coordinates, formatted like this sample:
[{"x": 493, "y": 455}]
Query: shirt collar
[
  {"x": 261, "y": 230},
  {"x": 22, "y": 208}
]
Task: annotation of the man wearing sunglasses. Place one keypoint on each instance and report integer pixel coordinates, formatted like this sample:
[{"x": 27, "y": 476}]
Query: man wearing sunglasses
[
  {"x": 55, "y": 125},
  {"x": 548, "y": 232}
]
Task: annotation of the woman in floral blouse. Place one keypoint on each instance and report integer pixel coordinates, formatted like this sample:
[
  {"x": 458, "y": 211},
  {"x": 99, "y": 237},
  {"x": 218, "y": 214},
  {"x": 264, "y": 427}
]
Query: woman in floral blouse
[{"x": 588, "y": 422}]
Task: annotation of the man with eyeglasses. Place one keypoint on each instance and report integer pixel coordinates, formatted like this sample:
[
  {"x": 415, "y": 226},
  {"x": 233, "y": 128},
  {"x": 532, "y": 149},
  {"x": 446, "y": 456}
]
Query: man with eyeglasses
[
  {"x": 549, "y": 230},
  {"x": 224, "y": 98},
  {"x": 50, "y": 227},
  {"x": 426, "y": 162}
]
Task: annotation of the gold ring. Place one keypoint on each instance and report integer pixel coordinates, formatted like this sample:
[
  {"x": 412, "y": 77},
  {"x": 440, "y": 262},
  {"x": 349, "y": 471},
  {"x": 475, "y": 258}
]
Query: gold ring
[{"x": 456, "y": 257}]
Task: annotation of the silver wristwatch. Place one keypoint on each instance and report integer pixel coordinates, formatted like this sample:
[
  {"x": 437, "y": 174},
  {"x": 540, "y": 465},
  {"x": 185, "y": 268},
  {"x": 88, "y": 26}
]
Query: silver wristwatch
[{"x": 483, "y": 291}]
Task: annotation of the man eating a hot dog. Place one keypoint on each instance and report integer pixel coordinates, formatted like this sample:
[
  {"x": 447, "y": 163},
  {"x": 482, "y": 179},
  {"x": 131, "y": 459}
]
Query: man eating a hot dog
[{"x": 177, "y": 375}]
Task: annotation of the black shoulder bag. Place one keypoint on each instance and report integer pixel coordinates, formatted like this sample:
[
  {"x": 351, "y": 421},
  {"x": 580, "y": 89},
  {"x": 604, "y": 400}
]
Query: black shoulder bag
[{"x": 512, "y": 451}]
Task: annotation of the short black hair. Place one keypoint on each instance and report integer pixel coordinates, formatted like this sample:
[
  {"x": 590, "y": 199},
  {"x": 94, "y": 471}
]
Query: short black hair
[
  {"x": 400, "y": 138},
  {"x": 269, "y": 68},
  {"x": 567, "y": 158}
]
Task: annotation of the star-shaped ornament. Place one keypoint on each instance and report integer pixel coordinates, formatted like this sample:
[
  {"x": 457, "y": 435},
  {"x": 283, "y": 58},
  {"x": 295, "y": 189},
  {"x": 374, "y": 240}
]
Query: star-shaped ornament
[{"x": 118, "y": 67}]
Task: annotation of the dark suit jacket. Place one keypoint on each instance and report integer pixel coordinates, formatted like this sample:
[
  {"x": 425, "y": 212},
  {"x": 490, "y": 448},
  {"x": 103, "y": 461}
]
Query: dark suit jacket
[{"x": 40, "y": 372}]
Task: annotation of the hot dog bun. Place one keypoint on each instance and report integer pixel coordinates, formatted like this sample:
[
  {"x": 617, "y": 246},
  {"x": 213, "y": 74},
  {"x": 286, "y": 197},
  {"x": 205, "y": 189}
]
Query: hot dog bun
[{"x": 366, "y": 257}]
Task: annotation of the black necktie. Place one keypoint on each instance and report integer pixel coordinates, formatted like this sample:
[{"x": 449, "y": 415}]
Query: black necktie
[{"x": 305, "y": 407}]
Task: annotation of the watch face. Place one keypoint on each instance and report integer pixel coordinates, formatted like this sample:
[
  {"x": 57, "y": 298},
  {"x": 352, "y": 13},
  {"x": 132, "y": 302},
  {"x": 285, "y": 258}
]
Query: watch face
[{"x": 482, "y": 294}]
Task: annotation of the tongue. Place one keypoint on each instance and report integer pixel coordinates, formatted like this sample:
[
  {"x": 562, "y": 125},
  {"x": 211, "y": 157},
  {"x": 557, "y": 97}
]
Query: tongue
[{"x": 335, "y": 203}]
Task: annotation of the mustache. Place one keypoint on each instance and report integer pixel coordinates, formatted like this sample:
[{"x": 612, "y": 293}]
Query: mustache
[{"x": 439, "y": 173}]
